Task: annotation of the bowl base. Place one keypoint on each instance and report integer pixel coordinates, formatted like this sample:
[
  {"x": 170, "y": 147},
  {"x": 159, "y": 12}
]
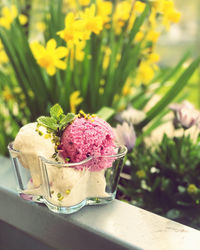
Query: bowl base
[{"x": 72, "y": 209}]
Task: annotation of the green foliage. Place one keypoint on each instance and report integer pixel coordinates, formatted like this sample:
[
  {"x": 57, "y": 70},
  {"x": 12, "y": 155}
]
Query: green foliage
[
  {"x": 165, "y": 180},
  {"x": 38, "y": 91}
]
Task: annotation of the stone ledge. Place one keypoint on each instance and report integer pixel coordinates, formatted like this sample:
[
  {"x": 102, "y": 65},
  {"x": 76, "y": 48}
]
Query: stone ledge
[{"x": 114, "y": 226}]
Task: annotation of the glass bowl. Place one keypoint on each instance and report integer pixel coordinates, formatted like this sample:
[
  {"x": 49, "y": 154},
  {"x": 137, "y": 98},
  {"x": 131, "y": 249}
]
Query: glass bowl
[{"x": 67, "y": 187}]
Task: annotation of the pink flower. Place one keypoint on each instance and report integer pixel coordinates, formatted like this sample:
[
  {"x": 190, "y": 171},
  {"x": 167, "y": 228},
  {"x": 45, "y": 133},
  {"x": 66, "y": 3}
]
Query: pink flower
[
  {"x": 125, "y": 135},
  {"x": 177, "y": 106},
  {"x": 185, "y": 114}
]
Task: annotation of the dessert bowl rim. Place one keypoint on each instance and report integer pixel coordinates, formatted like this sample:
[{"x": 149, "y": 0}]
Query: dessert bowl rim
[{"x": 47, "y": 161}]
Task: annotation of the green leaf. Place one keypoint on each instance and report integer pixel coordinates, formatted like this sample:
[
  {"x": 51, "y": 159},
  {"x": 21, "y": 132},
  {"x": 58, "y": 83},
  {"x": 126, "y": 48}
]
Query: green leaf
[
  {"x": 48, "y": 122},
  {"x": 105, "y": 113},
  {"x": 56, "y": 111},
  {"x": 67, "y": 119}
]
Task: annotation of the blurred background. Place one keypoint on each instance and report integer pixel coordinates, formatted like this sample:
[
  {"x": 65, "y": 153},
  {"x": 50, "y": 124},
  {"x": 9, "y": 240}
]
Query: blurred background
[{"x": 183, "y": 36}]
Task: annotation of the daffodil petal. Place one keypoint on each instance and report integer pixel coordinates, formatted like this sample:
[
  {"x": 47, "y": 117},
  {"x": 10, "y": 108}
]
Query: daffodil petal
[
  {"x": 69, "y": 19},
  {"x": 61, "y": 52},
  {"x": 51, "y": 70},
  {"x": 60, "y": 64},
  {"x": 51, "y": 44}
]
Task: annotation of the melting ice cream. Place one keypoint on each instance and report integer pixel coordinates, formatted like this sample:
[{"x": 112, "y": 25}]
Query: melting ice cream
[{"x": 84, "y": 137}]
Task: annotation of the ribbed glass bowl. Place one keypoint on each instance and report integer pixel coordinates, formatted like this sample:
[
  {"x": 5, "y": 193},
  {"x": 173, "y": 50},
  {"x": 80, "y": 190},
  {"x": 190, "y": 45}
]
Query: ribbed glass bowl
[{"x": 67, "y": 187}]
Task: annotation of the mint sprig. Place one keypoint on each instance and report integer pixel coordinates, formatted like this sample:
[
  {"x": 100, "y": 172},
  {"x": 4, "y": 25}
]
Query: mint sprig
[{"x": 57, "y": 121}]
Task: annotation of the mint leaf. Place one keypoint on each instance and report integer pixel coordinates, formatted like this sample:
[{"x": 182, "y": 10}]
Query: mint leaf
[
  {"x": 67, "y": 119},
  {"x": 48, "y": 122},
  {"x": 56, "y": 111}
]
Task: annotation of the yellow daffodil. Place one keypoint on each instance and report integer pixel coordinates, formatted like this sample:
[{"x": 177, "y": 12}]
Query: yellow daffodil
[
  {"x": 165, "y": 8},
  {"x": 49, "y": 57},
  {"x": 104, "y": 9},
  {"x": 157, "y": 5},
  {"x": 23, "y": 19},
  {"x": 121, "y": 15},
  {"x": 123, "y": 10},
  {"x": 139, "y": 6},
  {"x": 139, "y": 36},
  {"x": 74, "y": 30},
  {"x": 152, "y": 36},
  {"x": 92, "y": 23},
  {"x": 174, "y": 16},
  {"x": 80, "y": 27},
  {"x": 75, "y": 100},
  {"x": 168, "y": 6},
  {"x": 145, "y": 72},
  {"x": 7, "y": 16},
  {"x": 153, "y": 58},
  {"x": 126, "y": 11},
  {"x": 170, "y": 14}
]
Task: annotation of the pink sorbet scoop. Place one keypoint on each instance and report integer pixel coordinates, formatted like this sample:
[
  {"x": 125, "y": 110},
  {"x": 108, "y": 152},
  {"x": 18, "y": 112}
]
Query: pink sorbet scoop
[{"x": 89, "y": 137}]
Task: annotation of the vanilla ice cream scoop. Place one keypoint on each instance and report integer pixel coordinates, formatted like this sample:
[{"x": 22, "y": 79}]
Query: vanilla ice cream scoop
[{"x": 31, "y": 144}]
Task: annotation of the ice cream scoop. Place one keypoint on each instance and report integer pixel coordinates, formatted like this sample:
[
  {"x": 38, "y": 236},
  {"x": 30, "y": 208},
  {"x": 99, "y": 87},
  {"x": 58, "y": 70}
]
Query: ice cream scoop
[
  {"x": 30, "y": 145},
  {"x": 88, "y": 137}
]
